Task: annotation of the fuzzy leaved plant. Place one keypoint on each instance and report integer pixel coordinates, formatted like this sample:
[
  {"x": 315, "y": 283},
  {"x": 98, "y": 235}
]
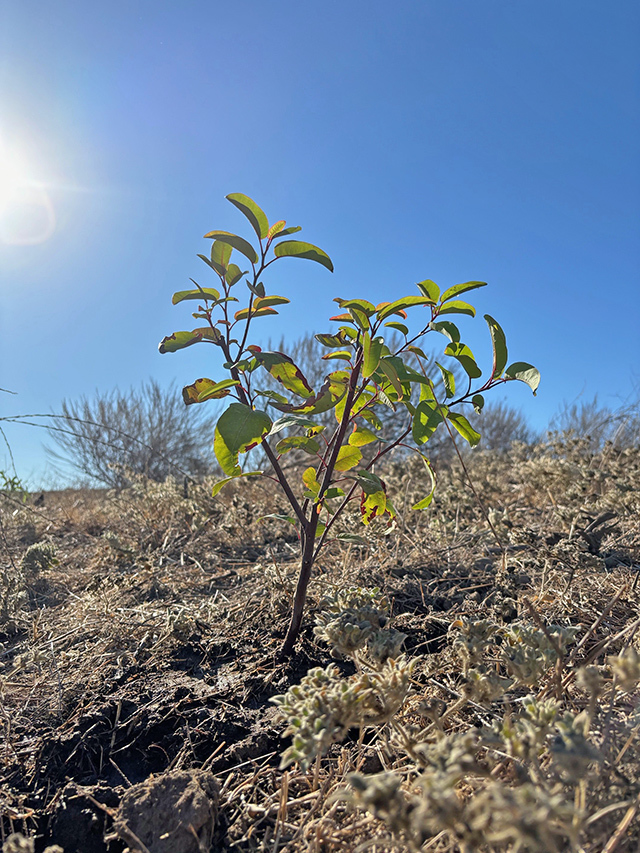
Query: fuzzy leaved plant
[{"x": 368, "y": 375}]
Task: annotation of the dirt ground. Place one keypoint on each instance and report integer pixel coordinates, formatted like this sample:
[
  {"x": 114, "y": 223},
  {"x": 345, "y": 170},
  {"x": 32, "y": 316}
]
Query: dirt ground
[{"x": 138, "y": 665}]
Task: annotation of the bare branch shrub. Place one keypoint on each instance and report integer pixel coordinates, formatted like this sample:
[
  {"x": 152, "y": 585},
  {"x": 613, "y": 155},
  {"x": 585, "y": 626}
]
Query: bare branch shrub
[
  {"x": 598, "y": 423},
  {"x": 147, "y": 431}
]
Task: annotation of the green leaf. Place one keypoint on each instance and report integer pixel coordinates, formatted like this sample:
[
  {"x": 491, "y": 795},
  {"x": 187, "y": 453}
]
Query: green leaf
[
  {"x": 243, "y": 246},
  {"x": 457, "y": 308},
  {"x": 266, "y": 301},
  {"x": 179, "y": 340},
  {"x": 276, "y": 229},
  {"x": 417, "y": 351},
  {"x": 424, "y": 503},
  {"x": 297, "y": 249},
  {"x": 273, "y": 396},
  {"x": 372, "y": 349},
  {"x": 429, "y": 289},
  {"x": 220, "y": 254},
  {"x": 499, "y": 344},
  {"x": 389, "y": 369},
  {"x": 297, "y": 442},
  {"x": 221, "y": 483},
  {"x": 478, "y": 402},
  {"x": 343, "y": 355},
  {"x": 399, "y": 327},
  {"x": 310, "y": 480},
  {"x": 234, "y": 274},
  {"x": 287, "y": 421},
  {"x": 244, "y": 313},
  {"x": 206, "y": 389},
  {"x": 328, "y": 340},
  {"x": 362, "y": 436},
  {"x": 256, "y": 289},
  {"x": 462, "y": 288},
  {"x": 254, "y": 214},
  {"x": 292, "y": 229},
  {"x": 464, "y": 428},
  {"x": 239, "y": 429},
  {"x": 333, "y": 390},
  {"x": 426, "y": 420},
  {"x": 202, "y": 295},
  {"x": 465, "y": 357},
  {"x": 352, "y": 539},
  {"x": 525, "y": 373},
  {"x": 449, "y": 380},
  {"x": 372, "y": 505},
  {"x": 448, "y": 329},
  {"x": 370, "y": 417},
  {"x": 400, "y": 305},
  {"x": 360, "y": 304},
  {"x": 334, "y": 492},
  {"x": 348, "y": 457},
  {"x": 283, "y": 368}
]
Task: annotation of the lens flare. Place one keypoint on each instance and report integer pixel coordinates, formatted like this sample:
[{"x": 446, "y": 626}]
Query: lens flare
[{"x": 27, "y": 216}]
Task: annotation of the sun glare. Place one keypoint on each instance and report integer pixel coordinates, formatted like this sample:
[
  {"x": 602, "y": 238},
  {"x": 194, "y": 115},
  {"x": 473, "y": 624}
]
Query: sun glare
[{"x": 27, "y": 216}]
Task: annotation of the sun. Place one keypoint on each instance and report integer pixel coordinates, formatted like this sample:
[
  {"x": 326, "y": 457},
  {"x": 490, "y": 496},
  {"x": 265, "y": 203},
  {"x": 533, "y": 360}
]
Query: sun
[{"x": 27, "y": 216}]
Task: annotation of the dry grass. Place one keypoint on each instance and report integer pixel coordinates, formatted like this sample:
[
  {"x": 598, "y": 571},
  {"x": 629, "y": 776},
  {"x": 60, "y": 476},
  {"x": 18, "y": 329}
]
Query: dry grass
[{"x": 152, "y": 644}]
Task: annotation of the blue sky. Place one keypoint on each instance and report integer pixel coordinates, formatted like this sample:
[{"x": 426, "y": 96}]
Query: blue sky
[{"x": 456, "y": 140}]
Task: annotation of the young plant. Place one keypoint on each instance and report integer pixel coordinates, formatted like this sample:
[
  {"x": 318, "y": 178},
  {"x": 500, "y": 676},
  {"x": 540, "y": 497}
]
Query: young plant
[{"x": 371, "y": 375}]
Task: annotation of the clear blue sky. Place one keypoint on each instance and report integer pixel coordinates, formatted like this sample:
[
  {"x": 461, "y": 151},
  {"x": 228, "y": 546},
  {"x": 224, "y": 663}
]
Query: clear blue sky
[{"x": 456, "y": 140}]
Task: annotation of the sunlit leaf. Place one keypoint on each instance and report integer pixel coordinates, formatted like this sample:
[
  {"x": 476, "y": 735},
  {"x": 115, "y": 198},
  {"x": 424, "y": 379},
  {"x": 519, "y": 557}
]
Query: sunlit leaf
[
  {"x": 238, "y": 429},
  {"x": 287, "y": 421},
  {"x": 426, "y": 420},
  {"x": 254, "y": 214},
  {"x": 243, "y": 313},
  {"x": 429, "y": 289},
  {"x": 478, "y": 402},
  {"x": 399, "y": 327},
  {"x": 424, "y": 503},
  {"x": 221, "y": 483},
  {"x": 179, "y": 340},
  {"x": 499, "y": 344},
  {"x": 461, "y": 288},
  {"x": 457, "y": 308},
  {"x": 447, "y": 328},
  {"x": 328, "y": 340},
  {"x": 220, "y": 254},
  {"x": 297, "y": 442},
  {"x": 449, "y": 380},
  {"x": 332, "y": 391},
  {"x": 400, "y": 304},
  {"x": 266, "y": 301},
  {"x": 243, "y": 246},
  {"x": 342, "y": 355},
  {"x": 362, "y": 436},
  {"x": 360, "y": 304},
  {"x": 283, "y": 368},
  {"x": 465, "y": 358},
  {"x": 310, "y": 480},
  {"x": 292, "y": 229},
  {"x": 297, "y": 249},
  {"x": 464, "y": 428},
  {"x": 234, "y": 274},
  {"x": 206, "y": 389},
  {"x": 202, "y": 295},
  {"x": 348, "y": 457},
  {"x": 525, "y": 373},
  {"x": 370, "y": 417},
  {"x": 276, "y": 229},
  {"x": 372, "y": 349}
]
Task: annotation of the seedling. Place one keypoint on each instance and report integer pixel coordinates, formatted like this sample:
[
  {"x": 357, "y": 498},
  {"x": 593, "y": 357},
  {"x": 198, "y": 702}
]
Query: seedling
[{"x": 371, "y": 374}]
